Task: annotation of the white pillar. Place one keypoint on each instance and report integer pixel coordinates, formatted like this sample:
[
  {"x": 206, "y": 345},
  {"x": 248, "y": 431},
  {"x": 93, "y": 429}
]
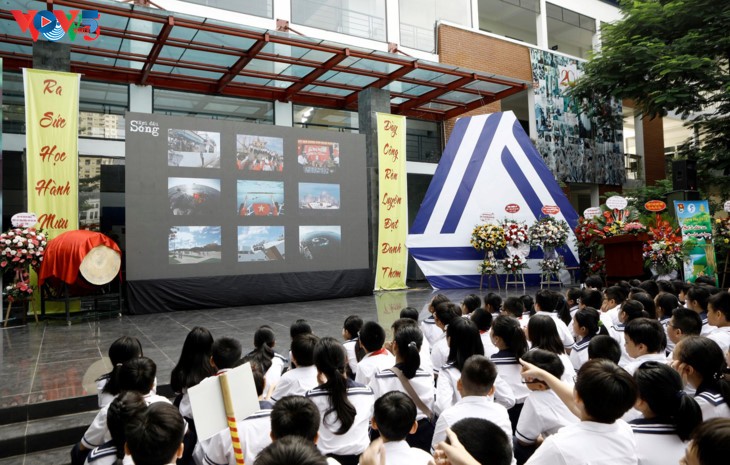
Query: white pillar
[
  {"x": 597, "y": 37},
  {"x": 283, "y": 113},
  {"x": 282, "y": 9},
  {"x": 140, "y": 98},
  {"x": 475, "y": 14},
  {"x": 531, "y": 112},
  {"x": 542, "y": 30},
  {"x": 392, "y": 18}
]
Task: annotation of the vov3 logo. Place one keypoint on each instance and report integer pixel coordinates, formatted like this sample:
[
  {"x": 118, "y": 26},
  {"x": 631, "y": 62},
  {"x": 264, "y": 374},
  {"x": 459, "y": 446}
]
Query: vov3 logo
[{"x": 54, "y": 25}]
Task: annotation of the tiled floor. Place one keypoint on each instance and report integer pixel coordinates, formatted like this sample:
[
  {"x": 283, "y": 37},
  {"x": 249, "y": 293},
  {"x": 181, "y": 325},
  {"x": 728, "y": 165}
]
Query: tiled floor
[{"x": 50, "y": 361}]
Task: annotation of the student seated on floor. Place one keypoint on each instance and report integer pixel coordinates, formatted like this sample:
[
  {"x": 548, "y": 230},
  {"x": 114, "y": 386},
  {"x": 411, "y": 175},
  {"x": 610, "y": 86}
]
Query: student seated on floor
[
  {"x": 475, "y": 385},
  {"x": 645, "y": 341},
  {"x": 303, "y": 377},
  {"x": 136, "y": 375},
  {"x": 350, "y": 332},
  {"x": 718, "y": 317},
  {"x": 544, "y": 413},
  {"x": 297, "y": 328},
  {"x": 377, "y": 358},
  {"x": 468, "y": 434},
  {"x": 604, "y": 347},
  {"x": 603, "y": 393},
  {"x": 291, "y": 450},
  {"x": 270, "y": 362},
  {"x": 253, "y": 431},
  {"x": 710, "y": 444},
  {"x": 225, "y": 354},
  {"x": 121, "y": 410},
  {"x": 154, "y": 437},
  {"x": 431, "y": 332},
  {"x": 394, "y": 417},
  {"x": 123, "y": 349}
]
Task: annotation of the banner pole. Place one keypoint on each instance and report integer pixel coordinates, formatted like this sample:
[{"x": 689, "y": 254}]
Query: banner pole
[{"x": 231, "y": 418}]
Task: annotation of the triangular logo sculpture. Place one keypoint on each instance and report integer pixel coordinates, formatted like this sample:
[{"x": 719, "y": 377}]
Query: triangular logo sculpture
[{"x": 489, "y": 162}]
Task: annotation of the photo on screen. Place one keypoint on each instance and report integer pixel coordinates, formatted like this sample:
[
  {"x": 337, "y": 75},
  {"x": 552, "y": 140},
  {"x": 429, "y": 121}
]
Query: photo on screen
[
  {"x": 260, "y": 198},
  {"x": 258, "y": 153},
  {"x": 315, "y": 196},
  {"x": 189, "y": 245},
  {"x": 320, "y": 243},
  {"x": 193, "y": 196},
  {"x": 194, "y": 149},
  {"x": 318, "y": 157},
  {"x": 260, "y": 243}
]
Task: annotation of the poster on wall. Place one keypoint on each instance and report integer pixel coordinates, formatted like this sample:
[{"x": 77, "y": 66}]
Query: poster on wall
[
  {"x": 695, "y": 222},
  {"x": 573, "y": 143},
  {"x": 390, "y": 271},
  {"x": 211, "y": 200}
]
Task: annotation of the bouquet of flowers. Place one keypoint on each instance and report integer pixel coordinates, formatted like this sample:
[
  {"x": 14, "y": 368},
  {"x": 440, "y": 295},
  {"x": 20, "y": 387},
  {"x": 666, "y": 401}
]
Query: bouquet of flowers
[
  {"x": 587, "y": 232},
  {"x": 21, "y": 288},
  {"x": 515, "y": 232},
  {"x": 22, "y": 246},
  {"x": 513, "y": 263},
  {"x": 488, "y": 237},
  {"x": 548, "y": 232},
  {"x": 722, "y": 231},
  {"x": 664, "y": 252},
  {"x": 634, "y": 227},
  {"x": 551, "y": 265},
  {"x": 489, "y": 266}
]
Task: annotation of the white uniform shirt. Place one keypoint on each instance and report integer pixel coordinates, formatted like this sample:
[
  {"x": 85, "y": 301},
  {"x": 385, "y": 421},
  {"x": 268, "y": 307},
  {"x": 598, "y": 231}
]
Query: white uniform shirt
[
  {"x": 296, "y": 382},
  {"x": 439, "y": 354},
  {"x": 106, "y": 454},
  {"x": 489, "y": 347},
  {"x": 350, "y": 346},
  {"x": 543, "y": 414},
  {"x": 563, "y": 330},
  {"x": 447, "y": 394},
  {"x": 422, "y": 383},
  {"x": 707, "y": 328},
  {"x": 254, "y": 432},
  {"x": 510, "y": 370},
  {"x": 635, "y": 363},
  {"x": 430, "y": 330},
  {"x": 97, "y": 433},
  {"x": 472, "y": 407},
  {"x": 573, "y": 310},
  {"x": 588, "y": 443},
  {"x": 273, "y": 374},
  {"x": 425, "y": 355},
  {"x": 712, "y": 404},
  {"x": 670, "y": 345},
  {"x": 617, "y": 333},
  {"x": 656, "y": 443},
  {"x": 400, "y": 453},
  {"x": 579, "y": 352},
  {"x": 568, "y": 370},
  {"x": 373, "y": 363},
  {"x": 721, "y": 336},
  {"x": 356, "y": 439}
]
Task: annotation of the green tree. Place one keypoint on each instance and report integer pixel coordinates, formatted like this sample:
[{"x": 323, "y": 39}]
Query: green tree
[{"x": 671, "y": 55}]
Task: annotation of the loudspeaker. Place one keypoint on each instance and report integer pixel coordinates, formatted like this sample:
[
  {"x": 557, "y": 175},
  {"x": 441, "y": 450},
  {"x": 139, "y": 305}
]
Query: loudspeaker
[
  {"x": 680, "y": 196},
  {"x": 684, "y": 175}
]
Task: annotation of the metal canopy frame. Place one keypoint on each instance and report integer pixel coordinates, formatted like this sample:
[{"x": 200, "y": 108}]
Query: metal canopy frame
[{"x": 150, "y": 47}]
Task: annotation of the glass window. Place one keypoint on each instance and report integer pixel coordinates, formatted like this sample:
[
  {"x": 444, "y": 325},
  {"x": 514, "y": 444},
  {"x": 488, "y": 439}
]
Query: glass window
[
  {"x": 423, "y": 141},
  {"x": 263, "y": 8},
  {"x": 418, "y": 20},
  {"x": 169, "y": 102},
  {"x": 516, "y": 19},
  {"x": 325, "y": 118},
  {"x": 570, "y": 32},
  {"x": 360, "y": 18},
  {"x": 101, "y": 194}
]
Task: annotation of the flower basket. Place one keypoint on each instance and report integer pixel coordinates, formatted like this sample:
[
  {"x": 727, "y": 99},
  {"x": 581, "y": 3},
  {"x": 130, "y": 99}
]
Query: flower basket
[
  {"x": 488, "y": 237},
  {"x": 20, "y": 250},
  {"x": 548, "y": 231}
]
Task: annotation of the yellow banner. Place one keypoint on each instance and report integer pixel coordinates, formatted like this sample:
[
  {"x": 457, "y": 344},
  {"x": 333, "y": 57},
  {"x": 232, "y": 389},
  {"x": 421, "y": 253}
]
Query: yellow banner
[
  {"x": 390, "y": 272},
  {"x": 51, "y": 135}
]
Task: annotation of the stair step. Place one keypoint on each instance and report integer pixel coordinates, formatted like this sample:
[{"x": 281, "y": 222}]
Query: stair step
[
  {"x": 58, "y": 456},
  {"x": 43, "y": 434}
]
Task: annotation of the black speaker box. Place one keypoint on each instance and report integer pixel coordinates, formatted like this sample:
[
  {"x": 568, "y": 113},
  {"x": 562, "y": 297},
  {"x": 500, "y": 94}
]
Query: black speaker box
[{"x": 684, "y": 175}]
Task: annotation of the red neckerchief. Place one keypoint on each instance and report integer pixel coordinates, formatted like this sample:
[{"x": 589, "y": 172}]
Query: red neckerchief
[
  {"x": 378, "y": 352},
  {"x": 481, "y": 332}
]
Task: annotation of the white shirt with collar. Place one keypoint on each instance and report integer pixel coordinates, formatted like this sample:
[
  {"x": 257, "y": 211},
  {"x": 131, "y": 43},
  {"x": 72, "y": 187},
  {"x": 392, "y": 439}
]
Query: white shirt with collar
[
  {"x": 430, "y": 330},
  {"x": 439, "y": 354},
  {"x": 489, "y": 347},
  {"x": 447, "y": 394},
  {"x": 400, "y": 453},
  {"x": 422, "y": 383},
  {"x": 579, "y": 353},
  {"x": 657, "y": 443},
  {"x": 588, "y": 443},
  {"x": 295, "y": 382},
  {"x": 563, "y": 331},
  {"x": 721, "y": 335},
  {"x": 273, "y": 374},
  {"x": 350, "y": 346},
  {"x": 635, "y": 363},
  {"x": 373, "y": 363},
  {"x": 712, "y": 403},
  {"x": 425, "y": 354},
  {"x": 472, "y": 407},
  {"x": 543, "y": 414},
  {"x": 254, "y": 432}
]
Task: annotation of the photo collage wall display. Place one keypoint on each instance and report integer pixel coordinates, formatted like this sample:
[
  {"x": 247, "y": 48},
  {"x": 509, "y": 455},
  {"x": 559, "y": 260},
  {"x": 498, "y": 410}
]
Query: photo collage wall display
[
  {"x": 239, "y": 196},
  {"x": 574, "y": 144}
]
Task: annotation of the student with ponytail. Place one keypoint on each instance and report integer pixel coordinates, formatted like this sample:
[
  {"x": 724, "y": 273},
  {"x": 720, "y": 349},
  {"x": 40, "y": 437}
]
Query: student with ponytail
[
  {"x": 586, "y": 324},
  {"x": 345, "y": 406},
  {"x": 123, "y": 349},
  {"x": 121, "y": 409},
  {"x": 508, "y": 337},
  {"x": 543, "y": 334},
  {"x": 669, "y": 415},
  {"x": 701, "y": 364},
  {"x": 271, "y": 363},
  {"x": 553, "y": 304},
  {"x": 407, "y": 377}
]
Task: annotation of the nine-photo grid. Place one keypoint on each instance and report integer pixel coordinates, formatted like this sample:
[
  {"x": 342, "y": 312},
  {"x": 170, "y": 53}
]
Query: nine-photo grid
[{"x": 260, "y": 161}]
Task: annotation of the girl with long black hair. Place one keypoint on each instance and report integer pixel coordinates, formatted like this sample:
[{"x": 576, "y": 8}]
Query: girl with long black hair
[
  {"x": 508, "y": 336},
  {"x": 345, "y": 406},
  {"x": 263, "y": 355},
  {"x": 123, "y": 349}
]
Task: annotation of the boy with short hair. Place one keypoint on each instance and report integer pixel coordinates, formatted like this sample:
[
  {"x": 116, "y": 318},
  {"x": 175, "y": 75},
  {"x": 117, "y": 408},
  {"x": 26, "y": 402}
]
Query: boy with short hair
[
  {"x": 645, "y": 341},
  {"x": 303, "y": 377},
  {"x": 155, "y": 436},
  {"x": 543, "y": 413},
  {"x": 476, "y": 387},
  {"x": 718, "y": 316},
  {"x": 604, "y": 347},
  {"x": 613, "y": 298},
  {"x": 225, "y": 353},
  {"x": 697, "y": 297},
  {"x": 350, "y": 331},
  {"x": 603, "y": 393},
  {"x": 683, "y": 322},
  {"x": 377, "y": 358},
  {"x": 591, "y": 298},
  {"x": 394, "y": 417}
]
